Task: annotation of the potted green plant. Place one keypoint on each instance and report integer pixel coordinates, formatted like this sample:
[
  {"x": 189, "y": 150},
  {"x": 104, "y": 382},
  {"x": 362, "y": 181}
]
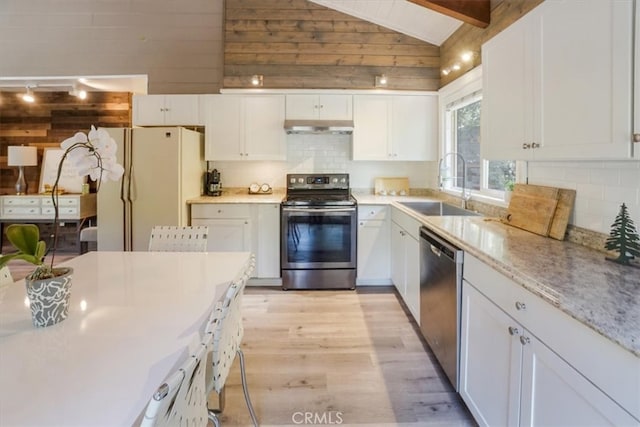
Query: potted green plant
[
  {"x": 508, "y": 190},
  {"x": 48, "y": 288}
]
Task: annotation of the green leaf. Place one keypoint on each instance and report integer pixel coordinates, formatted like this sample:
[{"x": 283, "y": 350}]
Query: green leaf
[{"x": 24, "y": 237}]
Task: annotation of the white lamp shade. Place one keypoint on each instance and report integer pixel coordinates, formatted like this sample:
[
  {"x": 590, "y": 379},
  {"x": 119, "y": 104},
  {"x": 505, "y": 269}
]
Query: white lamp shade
[{"x": 20, "y": 155}]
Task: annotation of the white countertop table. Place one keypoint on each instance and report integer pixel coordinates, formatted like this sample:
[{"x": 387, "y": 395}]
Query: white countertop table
[{"x": 132, "y": 317}]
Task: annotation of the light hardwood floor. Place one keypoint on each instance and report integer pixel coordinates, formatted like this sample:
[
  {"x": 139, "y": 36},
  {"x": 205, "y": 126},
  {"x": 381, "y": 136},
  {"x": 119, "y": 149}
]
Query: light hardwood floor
[{"x": 346, "y": 356}]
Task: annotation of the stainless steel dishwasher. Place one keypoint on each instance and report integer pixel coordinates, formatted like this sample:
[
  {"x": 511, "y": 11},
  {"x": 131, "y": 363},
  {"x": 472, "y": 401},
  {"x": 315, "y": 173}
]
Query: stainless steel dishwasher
[{"x": 440, "y": 288}]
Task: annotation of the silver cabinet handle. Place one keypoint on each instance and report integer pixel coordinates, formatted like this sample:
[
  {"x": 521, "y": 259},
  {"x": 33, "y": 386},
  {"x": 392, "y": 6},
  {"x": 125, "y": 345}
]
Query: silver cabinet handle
[
  {"x": 520, "y": 305},
  {"x": 524, "y": 340},
  {"x": 535, "y": 145},
  {"x": 526, "y": 146},
  {"x": 513, "y": 331},
  {"x": 636, "y": 137}
]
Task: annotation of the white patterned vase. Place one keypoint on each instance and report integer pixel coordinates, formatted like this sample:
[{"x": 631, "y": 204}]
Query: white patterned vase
[{"x": 49, "y": 298}]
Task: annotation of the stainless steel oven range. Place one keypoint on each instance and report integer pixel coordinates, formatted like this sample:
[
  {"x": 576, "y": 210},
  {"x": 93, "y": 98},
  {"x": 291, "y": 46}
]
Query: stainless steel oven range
[{"x": 319, "y": 226}]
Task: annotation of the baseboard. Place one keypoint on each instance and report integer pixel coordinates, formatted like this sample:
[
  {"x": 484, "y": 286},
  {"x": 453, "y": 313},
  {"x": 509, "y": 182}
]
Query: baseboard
[
  {"x": 270, "y": 281},
  {"x": 373, "y": 282}
]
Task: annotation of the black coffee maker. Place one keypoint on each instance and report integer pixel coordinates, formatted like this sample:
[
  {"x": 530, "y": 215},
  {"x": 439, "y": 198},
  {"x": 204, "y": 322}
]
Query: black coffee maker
[{"x": 212, "y": 184}]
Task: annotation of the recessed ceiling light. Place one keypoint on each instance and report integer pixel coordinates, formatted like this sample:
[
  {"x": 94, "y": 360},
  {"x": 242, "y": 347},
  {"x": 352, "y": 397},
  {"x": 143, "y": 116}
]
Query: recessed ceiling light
[{"x": 28, "y": 95}]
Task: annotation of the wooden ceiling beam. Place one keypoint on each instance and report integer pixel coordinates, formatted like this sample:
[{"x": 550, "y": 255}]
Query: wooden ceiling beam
[{"x": 474, "y": 12}]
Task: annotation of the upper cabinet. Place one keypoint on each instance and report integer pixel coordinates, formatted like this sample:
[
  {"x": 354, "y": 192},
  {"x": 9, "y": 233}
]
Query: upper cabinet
[
  {"x": 395, "y": 127},
  {"x": 166, "y": 110},
  {"x": 245, "y": 127},
  {"x": 557, "y": 84},
  {"x": 319, "y": 107}
]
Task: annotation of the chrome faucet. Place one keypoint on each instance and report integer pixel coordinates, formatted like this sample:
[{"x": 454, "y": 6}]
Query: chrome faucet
[{"x": 465, "y": 196}]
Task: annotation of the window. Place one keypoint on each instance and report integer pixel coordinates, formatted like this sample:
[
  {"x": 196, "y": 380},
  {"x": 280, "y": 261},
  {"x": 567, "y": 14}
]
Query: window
[{"x": 461, "y": 146}]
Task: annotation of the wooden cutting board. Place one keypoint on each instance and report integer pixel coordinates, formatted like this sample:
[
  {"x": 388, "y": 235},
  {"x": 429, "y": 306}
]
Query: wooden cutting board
[
  {"x": 566, "y": 199},
  {"x": 387, "y": 185},
  {"x": 532, "y": 208}
]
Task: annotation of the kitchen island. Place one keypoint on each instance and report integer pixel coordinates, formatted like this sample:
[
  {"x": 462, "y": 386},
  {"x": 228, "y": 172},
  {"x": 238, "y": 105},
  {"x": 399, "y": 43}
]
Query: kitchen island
[{"x": 132, "y": 318}]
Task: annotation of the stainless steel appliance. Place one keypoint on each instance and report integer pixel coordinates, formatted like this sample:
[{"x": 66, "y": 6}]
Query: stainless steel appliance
[
  {"x": 440, "y": 300},
  {"x": 319, "y": 226},
  {"x": 163, "y": 168}
]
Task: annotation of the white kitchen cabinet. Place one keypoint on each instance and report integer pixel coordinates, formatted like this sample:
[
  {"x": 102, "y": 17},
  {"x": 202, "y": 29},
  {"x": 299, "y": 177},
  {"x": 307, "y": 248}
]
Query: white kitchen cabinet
[
  {"x": 229, "y": 225},
  {"x": 245, "y": 127},
  {"x": 405, "y": 260},
  {"x": 544, "y": 98},
  {"x": 166, "y": 110},
  {"x": 524, "y": 362},
  {"x": 319, "y": 107},
  {"x": 373, "y": 245},
  {"x": 268, "y": 253},
  {"x": 395, "y": 127}
]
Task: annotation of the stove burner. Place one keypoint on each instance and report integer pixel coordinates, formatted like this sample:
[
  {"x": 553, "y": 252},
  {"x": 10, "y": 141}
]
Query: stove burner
[{"x": 318, "y": 190}]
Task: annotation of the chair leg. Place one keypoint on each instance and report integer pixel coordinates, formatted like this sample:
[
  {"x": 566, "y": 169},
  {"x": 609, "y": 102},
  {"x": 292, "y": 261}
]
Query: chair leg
[
  {"x": 244, "y": 388},
  {"x": 213, "y": 417}
]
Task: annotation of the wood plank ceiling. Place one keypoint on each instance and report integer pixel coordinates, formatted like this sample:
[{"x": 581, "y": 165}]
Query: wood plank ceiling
[{"x": 299, "y": 44}]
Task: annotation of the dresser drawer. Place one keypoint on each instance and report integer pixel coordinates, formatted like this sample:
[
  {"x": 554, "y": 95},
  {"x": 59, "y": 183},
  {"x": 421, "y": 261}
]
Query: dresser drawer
[
  {"x": 62, "y": 210},
  {"x": 21, "y": 201},
  {"x": 26, "y": 211},
  {"x": 221, "y": 210},
  {"x": 373, "y": 211},
  {"x": 62, "y": 201}
]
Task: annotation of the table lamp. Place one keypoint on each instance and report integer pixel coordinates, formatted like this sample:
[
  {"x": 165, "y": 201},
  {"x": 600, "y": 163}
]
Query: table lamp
[{"x": 21, "y": 156}]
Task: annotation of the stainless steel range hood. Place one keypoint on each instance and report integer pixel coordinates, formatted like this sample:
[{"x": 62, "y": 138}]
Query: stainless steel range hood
[{"x": 344, "y": 127}]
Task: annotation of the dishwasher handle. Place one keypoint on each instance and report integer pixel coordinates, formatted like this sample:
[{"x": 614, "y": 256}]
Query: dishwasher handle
[{"x": 439, "y": 246}]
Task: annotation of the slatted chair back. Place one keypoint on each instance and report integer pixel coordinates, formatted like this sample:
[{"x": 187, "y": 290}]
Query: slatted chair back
[
  {"x": 179, "y": 239},
  {"x": 225, "y": 327},
  {"x": 5, "y": 276},
  {"x": 182, "y": 400}
]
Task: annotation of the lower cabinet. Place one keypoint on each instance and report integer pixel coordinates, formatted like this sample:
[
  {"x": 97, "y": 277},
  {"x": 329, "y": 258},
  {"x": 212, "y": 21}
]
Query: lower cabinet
[
  {"x": 405, "y": 260},
  {"x": 373, "y": 245},
  {"x": 243, "y": 227},
  {"x": 509, "y": 376}
]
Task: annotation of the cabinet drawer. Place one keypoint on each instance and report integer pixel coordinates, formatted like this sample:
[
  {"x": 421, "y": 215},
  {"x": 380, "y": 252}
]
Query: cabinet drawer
[
  {"x": 221, "y": 210},
  {"x": 20, "y": 211},
  {"x": 61, "y": 202},
  {"x": 21, "y": 201},
  {"x": 62, "y": 210},
  {"x": 406, "y": 221},
  {"x": 373, "y": 211}
]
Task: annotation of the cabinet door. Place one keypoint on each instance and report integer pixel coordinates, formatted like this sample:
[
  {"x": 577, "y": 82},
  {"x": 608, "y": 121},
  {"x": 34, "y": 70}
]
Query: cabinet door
[
  {"x": 181, "y": 110},
  {"x": 301, "y": 107},
  {"x": 398, "y": 258},
  {"x": 227, "y": 235},
  {"x": 554, "y": 393},
  {"x": 507, "y": 111},
  {"x": 335, "y": 107},
  {"x": 148, "y": 110},
  {"x": 268, "y": 253},
  {"x": 264, "y": 136},
  {"x": 490, "y": 360},
  {"x": 412, "y": 265},
  {"x": 414, "y": 122},
  {"x": 585, "y": 105},
  {"x": 371, "y": 134},
  {"x": 373, "y": 250},
  {"x": 222, "y": 128}
]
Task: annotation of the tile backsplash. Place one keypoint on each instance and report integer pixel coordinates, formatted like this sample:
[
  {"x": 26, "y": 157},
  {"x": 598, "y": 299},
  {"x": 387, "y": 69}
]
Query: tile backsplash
[{"x": 601, "y": 187}]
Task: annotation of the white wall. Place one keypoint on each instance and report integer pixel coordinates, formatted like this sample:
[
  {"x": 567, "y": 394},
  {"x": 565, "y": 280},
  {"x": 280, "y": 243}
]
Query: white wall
[
  {"x": 601, "y": 187},
  {"x": 323, "y": 154}
]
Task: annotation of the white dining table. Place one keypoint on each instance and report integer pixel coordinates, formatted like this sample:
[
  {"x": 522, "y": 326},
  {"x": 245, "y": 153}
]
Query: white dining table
[{"x": 132, "y": 319}]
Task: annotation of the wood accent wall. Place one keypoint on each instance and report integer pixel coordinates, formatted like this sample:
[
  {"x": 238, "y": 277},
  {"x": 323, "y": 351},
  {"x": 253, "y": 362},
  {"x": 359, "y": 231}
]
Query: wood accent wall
[
  {"x": 470, "y": 38},
  {"x": 299, "y": 44},
  {"x": 54, "y": 117}
]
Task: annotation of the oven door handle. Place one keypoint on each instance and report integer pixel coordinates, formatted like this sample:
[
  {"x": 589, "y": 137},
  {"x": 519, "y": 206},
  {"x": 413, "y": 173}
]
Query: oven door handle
[{"x": 318, "y": 210}]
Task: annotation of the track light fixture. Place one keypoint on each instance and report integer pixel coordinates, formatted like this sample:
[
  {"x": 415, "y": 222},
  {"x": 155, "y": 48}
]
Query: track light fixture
[
  {"x": 28, "y": 95},
  {"x": 79, "y": 93},
  {"x": 381, "y": 81},
  {"x": 257, "y": 80}
]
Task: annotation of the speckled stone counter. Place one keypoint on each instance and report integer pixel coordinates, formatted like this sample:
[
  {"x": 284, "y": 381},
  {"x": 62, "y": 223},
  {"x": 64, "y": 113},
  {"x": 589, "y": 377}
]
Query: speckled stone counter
[
  {"x": 240, "y": 195},
  {"x": 579, "y": 281}
]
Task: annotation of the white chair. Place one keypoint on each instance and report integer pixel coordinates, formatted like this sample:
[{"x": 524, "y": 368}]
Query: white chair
[
  {"x": 227, "y": 331},
  {"x": 5, "y": 276},
  {"x": 182, "y": 399},
  {"x": 179, "y": 239}
]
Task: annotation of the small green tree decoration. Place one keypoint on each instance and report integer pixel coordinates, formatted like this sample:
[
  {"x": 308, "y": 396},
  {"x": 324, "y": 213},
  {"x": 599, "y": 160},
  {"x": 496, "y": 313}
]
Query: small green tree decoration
[{"x": 623, "y": 238}]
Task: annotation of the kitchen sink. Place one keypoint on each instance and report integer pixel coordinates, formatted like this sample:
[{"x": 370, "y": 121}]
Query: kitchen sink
[{"x": 437, "y": 209}]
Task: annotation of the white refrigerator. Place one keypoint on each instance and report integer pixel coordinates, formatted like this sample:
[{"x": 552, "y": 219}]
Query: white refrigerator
[{"x": 163, "y": 168}]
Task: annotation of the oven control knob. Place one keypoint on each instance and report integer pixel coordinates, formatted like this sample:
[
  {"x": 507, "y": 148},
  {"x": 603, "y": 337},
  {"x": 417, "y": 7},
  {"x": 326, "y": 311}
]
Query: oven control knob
[
  {"x": 300, "y": 180},
  {"x": 334, "y": 180},
  {"x": 292, "y": 180},
  {"x": 343, "y": 180}
]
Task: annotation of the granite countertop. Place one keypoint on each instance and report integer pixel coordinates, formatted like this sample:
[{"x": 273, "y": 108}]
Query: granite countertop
[
  {"x": 601, "y": 294},
  {"x": 240, "y": 195}
]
